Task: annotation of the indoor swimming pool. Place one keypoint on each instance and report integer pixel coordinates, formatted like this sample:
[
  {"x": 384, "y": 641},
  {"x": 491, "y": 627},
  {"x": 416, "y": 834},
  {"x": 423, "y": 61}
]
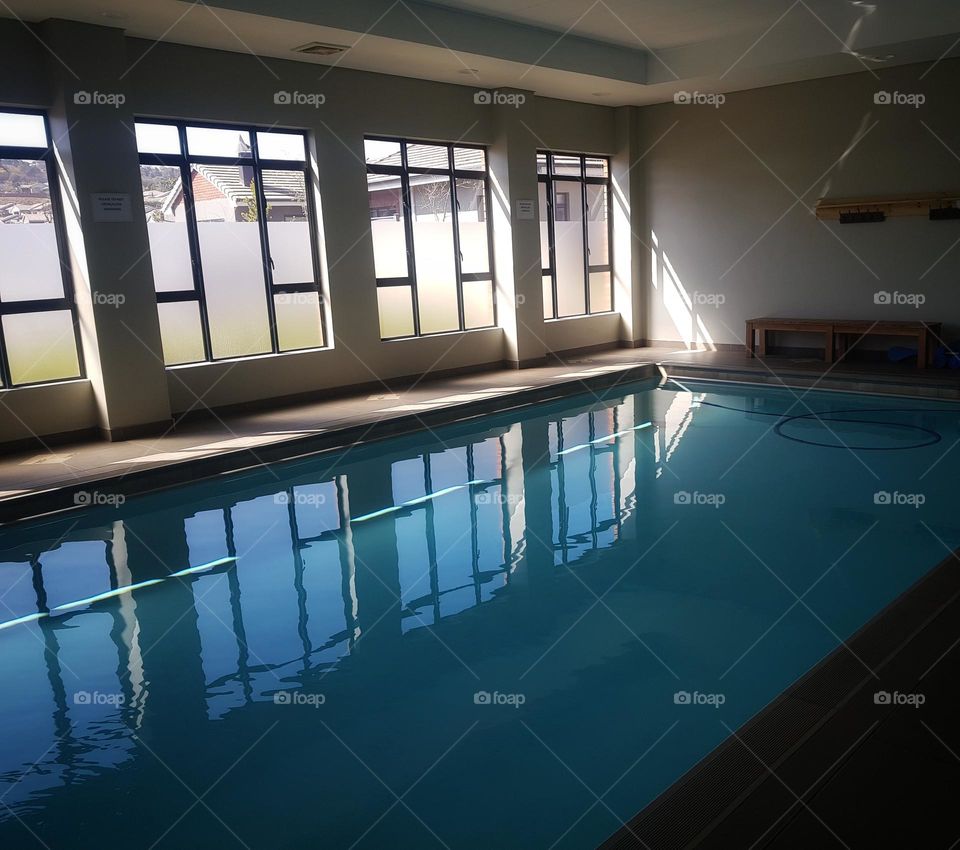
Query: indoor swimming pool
[{"x": 513, "y": 632}]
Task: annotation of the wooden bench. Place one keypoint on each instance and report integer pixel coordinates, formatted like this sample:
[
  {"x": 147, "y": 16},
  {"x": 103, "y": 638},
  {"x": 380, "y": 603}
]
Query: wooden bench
[{"x": 837, "y": 333}]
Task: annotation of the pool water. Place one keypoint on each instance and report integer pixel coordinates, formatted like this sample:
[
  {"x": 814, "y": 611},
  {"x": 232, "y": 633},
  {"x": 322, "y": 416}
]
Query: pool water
[{"x": 514, "y": 632}]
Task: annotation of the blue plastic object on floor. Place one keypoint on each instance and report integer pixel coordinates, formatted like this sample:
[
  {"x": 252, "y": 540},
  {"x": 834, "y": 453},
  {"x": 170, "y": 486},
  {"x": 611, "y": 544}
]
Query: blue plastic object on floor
[{"x": 899, "y": 353}]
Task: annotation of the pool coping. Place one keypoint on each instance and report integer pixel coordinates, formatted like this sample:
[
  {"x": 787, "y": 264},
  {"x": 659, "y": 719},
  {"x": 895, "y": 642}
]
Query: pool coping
[
  {"x": 804, "y": 734},
  {"x": 63, "y": 498}
]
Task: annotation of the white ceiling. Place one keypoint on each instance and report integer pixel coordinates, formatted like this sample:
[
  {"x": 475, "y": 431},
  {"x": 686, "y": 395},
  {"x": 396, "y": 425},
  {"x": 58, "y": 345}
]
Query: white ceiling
[{"x": 605, "y": 51}]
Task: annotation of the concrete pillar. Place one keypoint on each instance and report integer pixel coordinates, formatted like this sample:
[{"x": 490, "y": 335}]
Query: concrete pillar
[
  {"x": 91, "y": 123},
  {"x": 630, "y": 236},
  {"x": 513, "y": 175}
]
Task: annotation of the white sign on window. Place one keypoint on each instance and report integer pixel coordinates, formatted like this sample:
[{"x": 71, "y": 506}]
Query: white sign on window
[{"x": 108, "y": 206}]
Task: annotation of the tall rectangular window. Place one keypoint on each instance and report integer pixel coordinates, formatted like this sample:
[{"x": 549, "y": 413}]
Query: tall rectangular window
[
  {"x": 233, "y": 240},
  {"x": 431, "y": 237},
  {"x": 39, "y": 340},
  {"x": 575, "y": 235}
]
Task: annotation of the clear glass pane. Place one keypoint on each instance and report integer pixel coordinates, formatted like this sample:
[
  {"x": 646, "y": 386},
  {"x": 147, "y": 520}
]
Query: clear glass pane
[
  {"x": 564, "y": 164},
  {"x": 427, "y": 156},
  {"x": 208, "y": 141},
  {"x": 28, "y": 239},
  {"x": 288, "y": 226},
  {"x": 472, "y": 219},
  {"x": 598, "y": 229},
  {"x": 544, "y": 226},
  {"x": 433, "y": 254},
  {"x": 166, "y": 228},
  {"x": 41, "y": 346},
  {"x": 180, "y": 332},
  {"x": 24, "y": 131},
  {"x": 232, "y": 264},
  {"x": 469, "y": 159},
  {"x": 275, "y": 145},
  {"x": 298, "y": 320},
  {"x": 396, "y": 311},
  {"x": 541, "y": 163},
  {"x": 387, "y": 225},
  {"x": 382, "y": 153},
  {"x": 477, "y": 303},
  {"x": 158, "y": 138},
  {"x": 547, "y": 297},
  {"x": 569, "y": 248},
  {"x": 601, "y": 294},
  {"x": 597, "y": 167}
]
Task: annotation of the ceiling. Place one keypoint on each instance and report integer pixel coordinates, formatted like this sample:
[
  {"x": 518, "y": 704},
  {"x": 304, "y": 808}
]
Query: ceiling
[{"x": 605, "y": 51}]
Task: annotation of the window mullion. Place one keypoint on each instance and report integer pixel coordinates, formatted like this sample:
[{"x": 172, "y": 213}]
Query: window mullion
[
  {"x": 267, "y": 260},
  {"x": 193, "y": 238},
  {"x": 457, "y": 254},
  {"x": 407, "y": 202}
]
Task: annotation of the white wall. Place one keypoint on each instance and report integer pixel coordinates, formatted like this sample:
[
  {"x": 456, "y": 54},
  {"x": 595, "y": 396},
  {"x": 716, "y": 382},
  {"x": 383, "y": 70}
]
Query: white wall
[{"x": 721, "y": 191}]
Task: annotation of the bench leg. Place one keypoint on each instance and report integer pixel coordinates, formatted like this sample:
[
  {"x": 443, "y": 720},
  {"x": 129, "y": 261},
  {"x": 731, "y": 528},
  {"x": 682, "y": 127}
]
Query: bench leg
[
  {"x": 828, "y": 346},
  {"x": 751, "y": 344},
  {"x": 763, "y": 342},
  {"x": 922, "y": 349}
]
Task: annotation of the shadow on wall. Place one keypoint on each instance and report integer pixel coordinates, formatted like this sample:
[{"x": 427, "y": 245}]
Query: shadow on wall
[{"x": 682, "y": 306}]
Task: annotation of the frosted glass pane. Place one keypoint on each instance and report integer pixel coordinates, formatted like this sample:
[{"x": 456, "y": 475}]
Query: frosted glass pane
[
  {"x": 598, "y": 232},
  {"x": 41, "y": 346},
  {"x": 396, "y": 311},
  {"x": 434, "y": 256},
  {"x": 234, "y": 286},
  {"x": 298, "y": 320},
  {"x": 26, "y": 131},
  {"x": 288, "y": 228},
  {"x": 166, "y": 228},
  {"x": 477, "y": 303},
  {"x": 180, "y": 332},
  {"x": 568, "y": 228},
  {"x": 386, "y": 226},
  {"x": 281, "y": 146},
  {"x": 547, "y": 297},
  {"x": 157, "y": 138},
  {"x": 472, "y": 218},
  {"x": 600, "y": 292},
  {"x": 208, "y": 141},
  {"x": 28, "y": 241},
  {"x": 544, "y": 226}
]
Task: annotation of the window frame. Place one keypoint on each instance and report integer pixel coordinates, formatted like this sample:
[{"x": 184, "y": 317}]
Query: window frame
[
  {"x": 184, "y": 160},
  {"x": 549, "y": 178},
  {"x": 403, "y": 172},
  {"x": 42, "y": 305}
]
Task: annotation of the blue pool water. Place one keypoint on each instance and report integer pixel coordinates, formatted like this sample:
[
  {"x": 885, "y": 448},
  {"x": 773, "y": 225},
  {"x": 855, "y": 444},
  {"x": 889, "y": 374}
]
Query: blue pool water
[{"x": 479, "y": 637}]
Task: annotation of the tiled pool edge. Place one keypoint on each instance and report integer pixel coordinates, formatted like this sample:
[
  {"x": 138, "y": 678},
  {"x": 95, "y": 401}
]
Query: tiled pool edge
[
  {"x": 731, "y": 794},
  {"x": 36, "y": 504}
]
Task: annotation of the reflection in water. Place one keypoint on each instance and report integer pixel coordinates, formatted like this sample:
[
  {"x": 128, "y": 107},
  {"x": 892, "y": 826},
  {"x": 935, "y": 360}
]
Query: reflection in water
[{"x": 300, "y": 646}]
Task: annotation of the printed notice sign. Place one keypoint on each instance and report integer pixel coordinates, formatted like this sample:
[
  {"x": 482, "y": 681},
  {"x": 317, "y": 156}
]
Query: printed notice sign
[
  {"x": 526, "y": 211},
  {"x": 108, "y": 206}
]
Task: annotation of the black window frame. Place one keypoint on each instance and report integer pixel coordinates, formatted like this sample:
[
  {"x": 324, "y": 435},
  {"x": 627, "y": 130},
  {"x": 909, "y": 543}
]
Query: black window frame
[
  {"x": 184, "y": 160},
  {"x": 403, "y": 171},
  {"x": 549, "y": 177},
  {"x": 42, "y": 305}
]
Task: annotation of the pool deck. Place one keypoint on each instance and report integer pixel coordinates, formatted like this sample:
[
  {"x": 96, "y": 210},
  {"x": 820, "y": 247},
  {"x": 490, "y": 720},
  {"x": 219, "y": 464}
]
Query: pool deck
[{"x": 47, "y": 477}]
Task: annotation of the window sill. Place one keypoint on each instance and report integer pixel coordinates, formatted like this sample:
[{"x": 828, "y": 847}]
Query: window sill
[
  {"x": 581, "y": 316},
  {"x": 247, "y": 358},
  {"x": 441, "y": 334},
  {"x": 44, "y": 384}
]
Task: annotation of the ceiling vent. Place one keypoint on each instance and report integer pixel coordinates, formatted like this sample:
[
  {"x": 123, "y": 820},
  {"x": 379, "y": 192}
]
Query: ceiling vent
[{"x": 319, "y": 48}]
